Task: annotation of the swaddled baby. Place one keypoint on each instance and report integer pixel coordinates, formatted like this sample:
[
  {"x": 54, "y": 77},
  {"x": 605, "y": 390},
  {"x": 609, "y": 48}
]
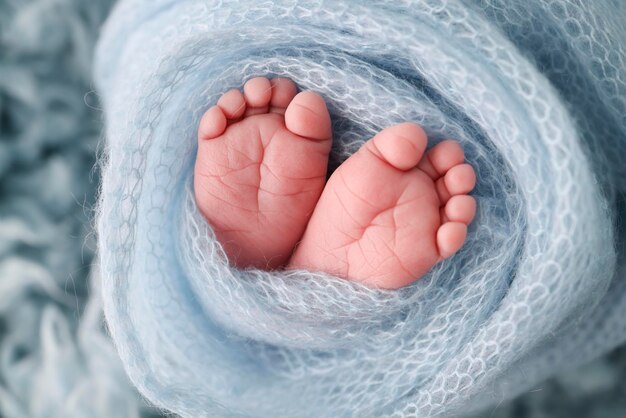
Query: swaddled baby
[{"x": 385, "y": 217}]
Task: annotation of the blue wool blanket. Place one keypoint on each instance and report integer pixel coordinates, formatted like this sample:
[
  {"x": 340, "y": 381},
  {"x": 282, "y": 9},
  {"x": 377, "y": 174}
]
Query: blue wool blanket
[{"x": 535, "y": 91}]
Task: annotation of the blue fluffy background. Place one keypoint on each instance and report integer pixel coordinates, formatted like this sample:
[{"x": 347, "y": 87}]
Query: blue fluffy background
[{"x": 55, "y": 358}]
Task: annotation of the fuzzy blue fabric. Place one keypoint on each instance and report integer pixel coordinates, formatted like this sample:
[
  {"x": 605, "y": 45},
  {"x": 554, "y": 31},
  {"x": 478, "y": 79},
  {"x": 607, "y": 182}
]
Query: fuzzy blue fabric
[
  {"x": 56, "y": 361},
  {"x": 535, "y": 91}
]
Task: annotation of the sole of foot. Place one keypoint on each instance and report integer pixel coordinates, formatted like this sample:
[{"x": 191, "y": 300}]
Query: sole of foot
[
  {"x": 391, "y": 211},
  {"x": 260, "y": 169}
]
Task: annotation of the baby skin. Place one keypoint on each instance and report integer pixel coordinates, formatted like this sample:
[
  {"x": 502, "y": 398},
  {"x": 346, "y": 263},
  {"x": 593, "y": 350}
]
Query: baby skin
[{"x": 385, "y": 217}]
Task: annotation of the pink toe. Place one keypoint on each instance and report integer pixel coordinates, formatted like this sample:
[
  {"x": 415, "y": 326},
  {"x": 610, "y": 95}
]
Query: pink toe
[
  {"x": 257, "y": 92},
  {"x": 460, "y": 179},
  {"x": 401, "y": 145},
  {"x": 446, "y": 155},
  {"x": 307, "y": 116},
  {"x": 450, "y": 238},
  {"x": 461, "y": 208},
  {"x": 232, "y": 104},
  {"x": 212, "y": 124},
  {"x": 283, "y": 92}
]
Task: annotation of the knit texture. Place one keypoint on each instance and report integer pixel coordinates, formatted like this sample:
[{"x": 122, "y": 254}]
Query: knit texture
[
  {"x": 534, "y": 91},
  {"x": 56, "y": 360}
]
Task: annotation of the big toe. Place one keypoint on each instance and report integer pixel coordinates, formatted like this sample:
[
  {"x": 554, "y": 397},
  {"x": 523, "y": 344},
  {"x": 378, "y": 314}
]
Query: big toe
[
  {"x": 401, "y": 145},
  {"x": 307, "y": 116}
]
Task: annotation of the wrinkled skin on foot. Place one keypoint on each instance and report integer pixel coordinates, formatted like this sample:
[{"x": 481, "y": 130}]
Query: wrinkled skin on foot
[
  {"x": 391, "y": 211},
  {"x": 261, "y": 167},
  {"x": 386, "y": 216}
]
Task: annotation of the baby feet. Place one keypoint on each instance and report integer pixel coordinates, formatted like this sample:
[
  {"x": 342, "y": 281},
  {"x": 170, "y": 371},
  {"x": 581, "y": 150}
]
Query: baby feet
[
  {"x": 261, "y": 166},
  {"x": 386, "y": 216},
  {"x": 390, "y": 212}
]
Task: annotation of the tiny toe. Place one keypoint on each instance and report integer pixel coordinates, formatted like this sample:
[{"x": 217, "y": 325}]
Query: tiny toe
[
  {"x": 460, "y": 179},
  {"x": 401, "y": 145},
  {"x": 232, "y": 104},
  {"x": 212, "y": 124},
  {"x": 441, "y": 158},
  {"x": 461, "y": 208},
  {"x": 257, "y": 92},
  {"x": 450, "y": 238},
  {"x": 283, "y": 92},
  {"x": 308, "y": 116}
]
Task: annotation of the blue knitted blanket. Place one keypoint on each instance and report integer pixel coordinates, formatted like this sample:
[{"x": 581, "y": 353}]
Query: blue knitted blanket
[{"x": 535, "y": 91}]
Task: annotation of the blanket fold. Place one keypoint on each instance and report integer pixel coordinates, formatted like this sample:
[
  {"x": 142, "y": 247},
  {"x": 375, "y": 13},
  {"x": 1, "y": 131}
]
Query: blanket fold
[{"x": 536, "y": 94}]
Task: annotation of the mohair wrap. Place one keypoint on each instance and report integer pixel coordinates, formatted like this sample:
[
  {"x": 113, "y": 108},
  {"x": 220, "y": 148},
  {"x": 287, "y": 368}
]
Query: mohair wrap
[{"x": 535, "y": 91}]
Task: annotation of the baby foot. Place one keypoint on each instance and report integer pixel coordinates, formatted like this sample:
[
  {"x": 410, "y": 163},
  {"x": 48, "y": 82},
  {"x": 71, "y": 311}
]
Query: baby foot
[
  {"x": 260, "y": 169},
  {"x": 387, "y": 215}
]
